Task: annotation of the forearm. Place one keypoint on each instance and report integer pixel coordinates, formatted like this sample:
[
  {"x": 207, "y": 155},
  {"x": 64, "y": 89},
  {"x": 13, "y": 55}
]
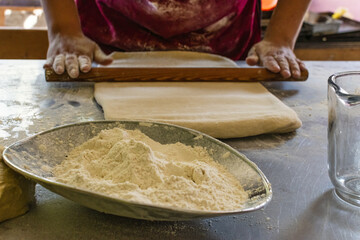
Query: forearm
[
  {"x": 286, "y": 21},
  {"x": 61, "y": 17}
]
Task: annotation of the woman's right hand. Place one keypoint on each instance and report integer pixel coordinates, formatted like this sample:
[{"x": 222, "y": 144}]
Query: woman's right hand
[
  {"x": 69, "y": 49},
  {"x": 74, "y": 54}
]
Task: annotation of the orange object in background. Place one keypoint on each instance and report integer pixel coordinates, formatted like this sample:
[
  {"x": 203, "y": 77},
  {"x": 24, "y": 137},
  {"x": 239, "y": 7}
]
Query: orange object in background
[{"x": 268, "y": 5}]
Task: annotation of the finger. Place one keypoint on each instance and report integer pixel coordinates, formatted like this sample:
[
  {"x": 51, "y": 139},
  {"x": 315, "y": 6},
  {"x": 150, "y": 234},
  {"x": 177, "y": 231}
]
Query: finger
[
  {"x": 294, "y": 67},
  {"x": 252, "y": 58},
  {"x": 284, "y": 65},
  {"x": 271, "y": 64},
  {"x": 49, "y": 62},
  {"x": 84, "y": 63},
  {"x": 72, "y": 65},
  {"x": 101, "y": 58},
  {"x": 59, "y": 64},
  {"x": 301, "y": 64}
]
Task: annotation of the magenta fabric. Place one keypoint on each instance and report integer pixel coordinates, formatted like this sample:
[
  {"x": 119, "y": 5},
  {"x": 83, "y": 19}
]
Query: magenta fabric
[{"x": 228, "y": 28}]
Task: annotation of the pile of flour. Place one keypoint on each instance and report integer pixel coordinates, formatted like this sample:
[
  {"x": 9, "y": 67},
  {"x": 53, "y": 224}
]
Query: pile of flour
[{"x": 127, "y": 164}]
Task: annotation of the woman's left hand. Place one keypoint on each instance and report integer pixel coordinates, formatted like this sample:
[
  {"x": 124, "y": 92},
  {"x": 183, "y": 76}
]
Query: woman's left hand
[{"x": 276, "y": 58}]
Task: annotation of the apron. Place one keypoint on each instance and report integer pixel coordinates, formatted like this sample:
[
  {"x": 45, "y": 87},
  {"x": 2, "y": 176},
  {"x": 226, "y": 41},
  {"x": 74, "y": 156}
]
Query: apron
[{"x": 193, "y": 25}]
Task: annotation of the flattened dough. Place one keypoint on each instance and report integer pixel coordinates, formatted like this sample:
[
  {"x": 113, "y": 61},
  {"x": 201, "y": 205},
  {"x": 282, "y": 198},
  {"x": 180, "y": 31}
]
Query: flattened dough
[
  {"x": 220, "y": 109},
  {"x": 169, "y": 59},
  {"x": 16, "y": 192}
]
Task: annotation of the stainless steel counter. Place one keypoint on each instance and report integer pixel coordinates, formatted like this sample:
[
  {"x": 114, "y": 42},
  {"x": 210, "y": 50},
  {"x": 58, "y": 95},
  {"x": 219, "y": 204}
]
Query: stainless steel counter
[{"x": 303, "y": 204}]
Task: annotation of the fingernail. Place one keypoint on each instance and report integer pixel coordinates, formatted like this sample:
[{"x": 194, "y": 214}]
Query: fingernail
[
  {"x": 59, "y": 69},
  {"x": 73, "y": 72},
  {"x": 85, "y": 68},
  {"x": 296, "y": 73},
  {"x": 286, "y": 74}
]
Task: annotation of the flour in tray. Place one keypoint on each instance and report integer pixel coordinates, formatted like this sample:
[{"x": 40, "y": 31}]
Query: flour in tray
[{"x": 129, "y": 165}]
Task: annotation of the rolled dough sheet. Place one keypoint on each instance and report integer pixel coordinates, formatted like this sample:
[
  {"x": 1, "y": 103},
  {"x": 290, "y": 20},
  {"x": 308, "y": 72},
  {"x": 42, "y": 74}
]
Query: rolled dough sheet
[
  {"x": 220, "y": 109},
  {"x": 169, "y": 59}
]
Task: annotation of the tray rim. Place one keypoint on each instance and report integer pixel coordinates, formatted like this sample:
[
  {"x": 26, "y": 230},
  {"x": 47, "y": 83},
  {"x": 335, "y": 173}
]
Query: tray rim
[{"x": 267, "y": 185}]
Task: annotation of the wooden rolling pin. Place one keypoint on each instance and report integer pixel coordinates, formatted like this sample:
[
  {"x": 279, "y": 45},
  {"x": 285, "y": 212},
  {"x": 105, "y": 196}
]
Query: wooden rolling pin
[{"x": 106, "y": 74}]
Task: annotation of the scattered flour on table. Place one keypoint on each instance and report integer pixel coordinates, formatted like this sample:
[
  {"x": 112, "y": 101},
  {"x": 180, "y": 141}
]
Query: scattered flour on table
[{"x": 129, "y": 165}]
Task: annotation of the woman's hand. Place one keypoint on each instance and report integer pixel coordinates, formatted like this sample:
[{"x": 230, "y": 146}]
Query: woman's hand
[
  {"x": 275, "y": 51},
  {"x": 276, "y": 58},
  {"x": 69, "y": 49},
  {"x": 74, "y": 54}
]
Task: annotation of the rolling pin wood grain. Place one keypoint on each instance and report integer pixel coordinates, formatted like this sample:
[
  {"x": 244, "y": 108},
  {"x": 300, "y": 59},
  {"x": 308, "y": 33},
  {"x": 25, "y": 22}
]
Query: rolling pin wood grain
[{"x": 106, "y": 74}]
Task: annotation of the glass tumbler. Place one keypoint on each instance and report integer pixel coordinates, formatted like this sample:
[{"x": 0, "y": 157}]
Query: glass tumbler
[{"x": 344, "y": 135}]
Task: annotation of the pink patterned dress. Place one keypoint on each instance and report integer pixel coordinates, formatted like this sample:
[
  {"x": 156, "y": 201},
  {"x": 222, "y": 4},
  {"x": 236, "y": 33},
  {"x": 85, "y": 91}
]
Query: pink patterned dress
[{"x": 224, "y": 27}]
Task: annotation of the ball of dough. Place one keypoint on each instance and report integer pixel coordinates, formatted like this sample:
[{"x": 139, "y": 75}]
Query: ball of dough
[{"x": 16, "y": 192}]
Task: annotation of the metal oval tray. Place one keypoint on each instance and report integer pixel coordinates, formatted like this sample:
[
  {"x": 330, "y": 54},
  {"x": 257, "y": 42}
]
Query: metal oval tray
[{"x": 35, "y": 156}]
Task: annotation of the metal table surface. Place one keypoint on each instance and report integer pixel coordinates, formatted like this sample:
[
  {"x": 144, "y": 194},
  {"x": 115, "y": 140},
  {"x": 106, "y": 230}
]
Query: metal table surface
[{"x": 303, "y": 204}]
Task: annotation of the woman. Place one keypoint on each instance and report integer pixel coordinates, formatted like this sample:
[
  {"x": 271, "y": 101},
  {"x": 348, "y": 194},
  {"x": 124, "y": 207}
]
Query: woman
[{"x": 79, "y": 31}]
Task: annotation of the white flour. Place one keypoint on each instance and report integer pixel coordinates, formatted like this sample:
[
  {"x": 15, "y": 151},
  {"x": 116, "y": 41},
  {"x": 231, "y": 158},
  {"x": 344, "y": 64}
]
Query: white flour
[
  {"x": 181, "y": 10},
  {"x": 129, "y": 165}
]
